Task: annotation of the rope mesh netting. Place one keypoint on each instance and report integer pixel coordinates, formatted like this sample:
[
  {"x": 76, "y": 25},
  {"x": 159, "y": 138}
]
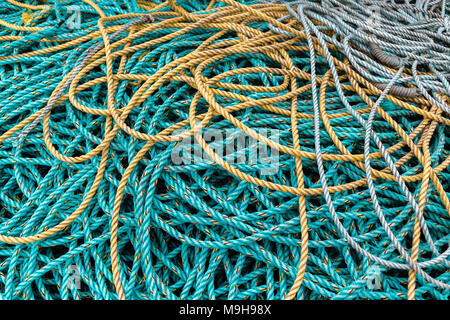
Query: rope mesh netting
[{"x": 115, "y": 162}]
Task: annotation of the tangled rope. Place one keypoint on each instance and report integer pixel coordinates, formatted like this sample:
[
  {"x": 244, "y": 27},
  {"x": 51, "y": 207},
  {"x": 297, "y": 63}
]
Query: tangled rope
[
  {"x": 392, "y": 61},
  {"x": 363, "y": 169}
]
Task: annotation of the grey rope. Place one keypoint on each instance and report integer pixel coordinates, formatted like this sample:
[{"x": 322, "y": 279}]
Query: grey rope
[
  {"x": 414, "y": 37},
  {"x": 411, "y": 264},
  {"x": 386, "y": 156}
]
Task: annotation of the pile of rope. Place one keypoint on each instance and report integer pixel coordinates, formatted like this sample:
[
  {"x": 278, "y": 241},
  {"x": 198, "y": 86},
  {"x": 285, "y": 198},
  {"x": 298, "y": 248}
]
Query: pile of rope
[{"x": 93, "y": 205}]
